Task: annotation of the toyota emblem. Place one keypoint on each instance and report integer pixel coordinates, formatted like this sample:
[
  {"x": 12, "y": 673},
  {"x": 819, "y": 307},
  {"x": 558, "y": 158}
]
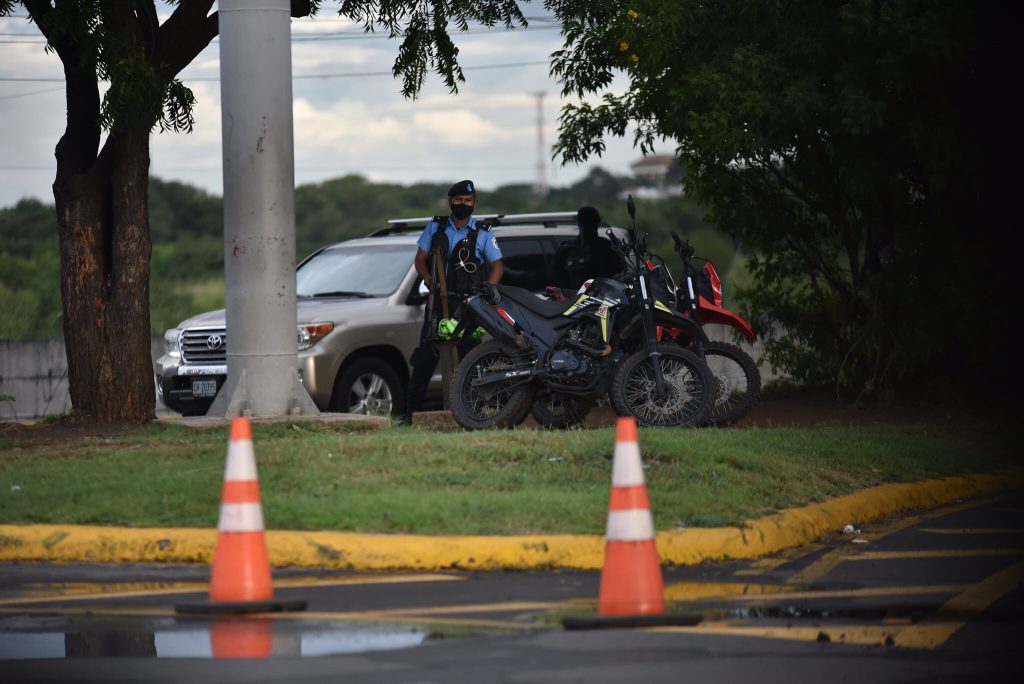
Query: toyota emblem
[{"x": 214, "y": 342}]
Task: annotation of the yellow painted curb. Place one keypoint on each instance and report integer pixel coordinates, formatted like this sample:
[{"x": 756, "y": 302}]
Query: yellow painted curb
[{"x": 787, "y": 529}]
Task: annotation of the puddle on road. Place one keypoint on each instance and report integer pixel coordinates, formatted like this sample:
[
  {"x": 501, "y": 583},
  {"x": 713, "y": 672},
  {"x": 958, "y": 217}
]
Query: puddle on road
[
  {"x": 850, "y": 612},
  {"x": 58, "y": 637}
]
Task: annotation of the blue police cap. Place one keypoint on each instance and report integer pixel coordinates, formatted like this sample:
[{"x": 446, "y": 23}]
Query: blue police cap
[{"x": 465, "y": 187}]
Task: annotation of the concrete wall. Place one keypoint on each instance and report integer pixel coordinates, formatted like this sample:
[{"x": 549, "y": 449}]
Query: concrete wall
[
  {"x": 35, "y": 373},
  {"x": 723, "y": 333}
]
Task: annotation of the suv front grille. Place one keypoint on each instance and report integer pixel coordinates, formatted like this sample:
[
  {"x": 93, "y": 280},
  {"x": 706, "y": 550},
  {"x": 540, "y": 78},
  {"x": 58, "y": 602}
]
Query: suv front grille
[{"x": 199, "y": 346}]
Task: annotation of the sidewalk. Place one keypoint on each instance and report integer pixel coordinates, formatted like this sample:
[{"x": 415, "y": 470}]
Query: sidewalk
[{"x": 786, "y": 529}]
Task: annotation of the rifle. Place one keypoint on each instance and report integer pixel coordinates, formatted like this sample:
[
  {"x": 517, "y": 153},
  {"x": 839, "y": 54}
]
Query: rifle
[{"x": 449, "y": 354}]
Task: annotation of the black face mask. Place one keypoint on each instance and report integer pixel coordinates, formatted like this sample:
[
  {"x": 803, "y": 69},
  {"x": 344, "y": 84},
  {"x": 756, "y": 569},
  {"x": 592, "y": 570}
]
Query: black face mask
[{"x": 461, "y": 211}]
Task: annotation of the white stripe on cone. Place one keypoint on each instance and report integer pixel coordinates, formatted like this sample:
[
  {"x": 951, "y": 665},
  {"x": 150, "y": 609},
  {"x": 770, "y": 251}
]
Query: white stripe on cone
[
  {"x": 241, "y": 463},
  {"x": 626, "y": 468},
  {"x": 240, "y": 517},
  {"x": 631, "y": 525}
]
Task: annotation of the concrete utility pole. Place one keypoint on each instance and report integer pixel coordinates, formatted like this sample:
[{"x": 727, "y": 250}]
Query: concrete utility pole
[
  {"x": 541, "y": 183},
  {"x": 259, "y": 212}
]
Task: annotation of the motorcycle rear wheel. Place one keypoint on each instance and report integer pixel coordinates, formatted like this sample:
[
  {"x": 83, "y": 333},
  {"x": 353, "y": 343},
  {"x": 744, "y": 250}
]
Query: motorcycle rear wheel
[
  {"x": 737, "y": 384},
  {"x": 560, "y": 411},
  {"x": 688, "y": 383},
  {"x": 503, "y": 404}
]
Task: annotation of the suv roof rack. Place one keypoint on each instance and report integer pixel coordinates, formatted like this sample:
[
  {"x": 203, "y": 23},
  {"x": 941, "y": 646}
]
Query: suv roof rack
[{"x": 550, "y": 219}]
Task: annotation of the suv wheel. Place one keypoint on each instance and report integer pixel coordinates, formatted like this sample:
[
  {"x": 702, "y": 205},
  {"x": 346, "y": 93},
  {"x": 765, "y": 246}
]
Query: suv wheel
[{"x": 370, "y": 387}]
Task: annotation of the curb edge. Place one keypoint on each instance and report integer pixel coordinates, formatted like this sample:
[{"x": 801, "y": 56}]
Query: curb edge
[{"x": 345, "y": 550}]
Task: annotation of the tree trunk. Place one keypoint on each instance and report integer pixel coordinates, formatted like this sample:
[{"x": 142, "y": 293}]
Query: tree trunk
[{"x": 103, "y": 219}]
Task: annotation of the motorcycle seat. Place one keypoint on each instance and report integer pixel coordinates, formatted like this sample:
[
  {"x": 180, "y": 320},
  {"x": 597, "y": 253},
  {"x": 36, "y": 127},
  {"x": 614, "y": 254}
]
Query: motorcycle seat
[{"x": 548, "y": 308}]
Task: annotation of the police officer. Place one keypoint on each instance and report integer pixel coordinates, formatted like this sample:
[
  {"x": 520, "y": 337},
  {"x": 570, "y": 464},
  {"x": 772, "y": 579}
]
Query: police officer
[{"x": 473, "y": 256}]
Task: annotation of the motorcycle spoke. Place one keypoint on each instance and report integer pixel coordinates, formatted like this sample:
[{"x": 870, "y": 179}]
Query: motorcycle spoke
[
  {"x": 486, "y": 406},
  {"x": 682, "y": 398},
  {"x": 730, "y": 383}
]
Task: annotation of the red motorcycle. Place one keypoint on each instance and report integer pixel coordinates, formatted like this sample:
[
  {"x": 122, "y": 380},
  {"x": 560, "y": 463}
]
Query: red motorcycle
[{"x": 699, "y": 296}]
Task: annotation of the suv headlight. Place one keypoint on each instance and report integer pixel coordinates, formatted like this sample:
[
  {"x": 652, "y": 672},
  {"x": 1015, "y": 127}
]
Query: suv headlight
[
  {"x": 172, "y": 344},
  {"x": 313, "y": 333}
]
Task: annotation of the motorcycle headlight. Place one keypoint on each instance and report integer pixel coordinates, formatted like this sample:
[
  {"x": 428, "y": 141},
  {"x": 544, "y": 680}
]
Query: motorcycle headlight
[
  {"x": 313, "y": 333},
  {"x": 172, "y": 343}
]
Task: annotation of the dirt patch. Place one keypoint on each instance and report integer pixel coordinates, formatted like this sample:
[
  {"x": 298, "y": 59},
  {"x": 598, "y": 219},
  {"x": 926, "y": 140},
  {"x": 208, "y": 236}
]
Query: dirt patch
[
  {"x": 806, "y": 409},
  {"x": 56, "y": 432},
  {"x": 812, "y": 408},
  {"x": 802, "y": 409}
]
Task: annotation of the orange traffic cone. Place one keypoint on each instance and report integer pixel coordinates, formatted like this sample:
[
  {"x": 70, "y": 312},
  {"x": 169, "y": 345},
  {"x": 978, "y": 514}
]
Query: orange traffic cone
[
  {"x": 241, "y": 568},
  {"x": 241, "y": 638},
  {"x": 631, "y": 576},
  {"x": 240, "y": 580}
]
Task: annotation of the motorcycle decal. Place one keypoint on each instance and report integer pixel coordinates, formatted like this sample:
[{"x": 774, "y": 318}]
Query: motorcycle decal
[
  {"x": 716, "y": 284},
  {"x": 662, "y": 307},
  {"x": 602, "y": 315},
  {"x": 504, "y": 314},
  {"x": 581, "y": 303}
]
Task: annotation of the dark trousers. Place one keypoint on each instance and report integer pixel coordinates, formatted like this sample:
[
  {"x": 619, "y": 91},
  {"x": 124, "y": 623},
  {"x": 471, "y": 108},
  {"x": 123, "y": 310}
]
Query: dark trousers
[{"x": 424, "y": 363}]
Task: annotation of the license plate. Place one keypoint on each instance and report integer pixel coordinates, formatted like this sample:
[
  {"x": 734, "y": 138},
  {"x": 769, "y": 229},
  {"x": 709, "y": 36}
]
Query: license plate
[{"x": 204, "y": 388}]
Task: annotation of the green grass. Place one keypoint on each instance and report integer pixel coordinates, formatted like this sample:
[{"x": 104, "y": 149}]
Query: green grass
[{"x": 491, "y": 482}]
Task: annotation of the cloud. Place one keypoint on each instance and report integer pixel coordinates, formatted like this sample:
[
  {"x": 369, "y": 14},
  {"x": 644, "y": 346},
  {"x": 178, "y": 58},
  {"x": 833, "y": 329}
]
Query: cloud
[
  {"x": 342, "y": 125},
  {"x": 479, "y": 100},
  {"x": 348, "y": 126},
  {"x": 325, "y": 22},
  {"x": 312, "y": 58},
  {"x": 520, "y": 45},
  {"x": 195, "y": 157},
  {"x": 461, "y": 128}
]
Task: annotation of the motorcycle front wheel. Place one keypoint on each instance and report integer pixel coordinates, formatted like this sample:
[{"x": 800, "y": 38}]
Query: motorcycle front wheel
[
  {"x": 504, "y": 403},
  {"x": 736, "y": 384},
  {"x": 560, "y": 411},
  {"x": 687, "y": 388}
]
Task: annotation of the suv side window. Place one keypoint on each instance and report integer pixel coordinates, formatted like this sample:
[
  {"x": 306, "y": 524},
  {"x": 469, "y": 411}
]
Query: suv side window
[{"x": 527, "y": 262}]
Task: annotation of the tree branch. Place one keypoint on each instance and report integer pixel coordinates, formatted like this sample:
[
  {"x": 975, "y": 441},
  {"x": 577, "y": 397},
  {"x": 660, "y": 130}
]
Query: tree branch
[
  {"x": 76, "y": 151},
  {"x": 185, "y": 34}
]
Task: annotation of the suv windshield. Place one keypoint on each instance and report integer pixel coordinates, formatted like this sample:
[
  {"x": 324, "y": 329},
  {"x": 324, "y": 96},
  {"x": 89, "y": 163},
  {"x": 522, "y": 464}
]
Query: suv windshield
[{"x": 355, "y": 271}]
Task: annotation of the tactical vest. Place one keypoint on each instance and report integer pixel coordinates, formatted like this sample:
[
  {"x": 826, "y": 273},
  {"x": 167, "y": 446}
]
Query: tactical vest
[{"x": 463, "y": 268}]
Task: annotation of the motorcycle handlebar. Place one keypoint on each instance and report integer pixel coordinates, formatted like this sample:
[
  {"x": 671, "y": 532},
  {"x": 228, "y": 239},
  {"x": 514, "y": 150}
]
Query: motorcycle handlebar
[
  {"x": 619, "y": 245},
  {"x": 683, "y": 249}
]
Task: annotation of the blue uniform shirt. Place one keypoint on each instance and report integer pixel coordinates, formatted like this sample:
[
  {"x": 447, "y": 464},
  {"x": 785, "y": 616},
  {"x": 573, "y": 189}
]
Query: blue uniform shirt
[{"x": 487, "y": 250}]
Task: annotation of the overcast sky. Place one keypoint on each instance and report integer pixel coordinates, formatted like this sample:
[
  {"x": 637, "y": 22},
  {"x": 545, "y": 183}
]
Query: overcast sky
[{"x": 350, "y": 116}]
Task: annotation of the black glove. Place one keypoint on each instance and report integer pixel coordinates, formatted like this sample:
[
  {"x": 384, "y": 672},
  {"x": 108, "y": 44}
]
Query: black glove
[{"x": 488, "y": 291}]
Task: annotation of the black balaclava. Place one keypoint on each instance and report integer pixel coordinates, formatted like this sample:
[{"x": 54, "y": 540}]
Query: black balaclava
[{"x": 466, "y": 187}]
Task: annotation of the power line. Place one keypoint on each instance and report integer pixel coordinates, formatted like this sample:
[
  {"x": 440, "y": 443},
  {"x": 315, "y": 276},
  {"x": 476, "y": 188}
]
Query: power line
[
  {"x": 299, "y": 77},
  {"x": 482, "y": 67},
  {"x": 34, "y": 92},
  {"x": 307, "y": 37},
  {"x": 350, "y": 35},
  {"x": 157, "y": 170}
]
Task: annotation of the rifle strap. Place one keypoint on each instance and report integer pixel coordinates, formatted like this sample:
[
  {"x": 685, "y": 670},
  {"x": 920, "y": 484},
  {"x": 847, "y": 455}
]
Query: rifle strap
[{"x": 441, "y": 286}]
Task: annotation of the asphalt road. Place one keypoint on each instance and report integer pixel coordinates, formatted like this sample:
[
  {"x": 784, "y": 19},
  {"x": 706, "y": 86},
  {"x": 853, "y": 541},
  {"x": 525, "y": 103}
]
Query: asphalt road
[{"x": 932, "y": 597}]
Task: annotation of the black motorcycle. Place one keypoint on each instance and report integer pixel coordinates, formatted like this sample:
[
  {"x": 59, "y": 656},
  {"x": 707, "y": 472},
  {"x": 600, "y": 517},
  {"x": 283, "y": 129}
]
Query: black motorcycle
[{"x": 602, "y": 343}]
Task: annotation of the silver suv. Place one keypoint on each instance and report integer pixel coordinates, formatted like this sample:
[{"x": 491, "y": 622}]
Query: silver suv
[{"x": 360, "y": 310}]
